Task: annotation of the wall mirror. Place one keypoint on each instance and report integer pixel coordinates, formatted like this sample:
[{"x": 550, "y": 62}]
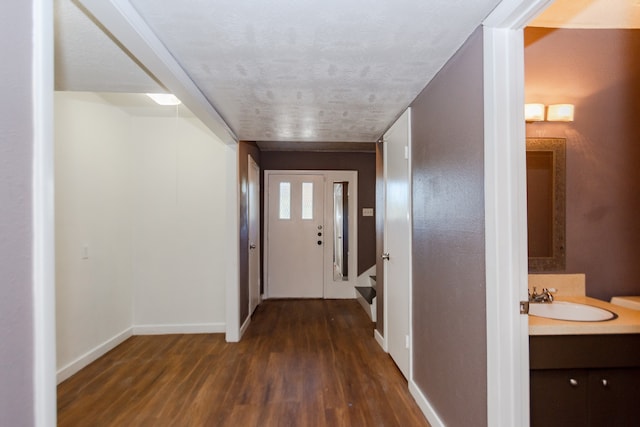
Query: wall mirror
[
  {"x": 546, "y": 214},
  {"x": 341, "y": 231}
]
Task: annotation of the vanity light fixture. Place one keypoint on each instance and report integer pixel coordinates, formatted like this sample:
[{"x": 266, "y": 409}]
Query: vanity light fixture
[
  {"x": 164, "y": 98},
  {"x": 534, "y": 112},
  {"x": 560, "y": 113},
  {"x": 555, "y": 113}
]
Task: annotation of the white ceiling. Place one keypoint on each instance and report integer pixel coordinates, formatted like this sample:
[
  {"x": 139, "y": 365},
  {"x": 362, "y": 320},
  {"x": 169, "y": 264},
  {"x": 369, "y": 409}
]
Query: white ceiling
[
  {"x": 282, "y": 70},
  {"x": 295, "y": 71},
  {"x": 314, "y": 70}
]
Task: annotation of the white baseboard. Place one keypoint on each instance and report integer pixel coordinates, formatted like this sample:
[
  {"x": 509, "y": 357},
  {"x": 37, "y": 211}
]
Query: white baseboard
[
  {"x": 92, "y": 355},
  {"x": 374, "y": 309},
  {"x": 425, "y": 406},
  {"x": 380, "y": 340},
  {"x": 188, "y": 328},
  {"x": 244, "y": 327}
]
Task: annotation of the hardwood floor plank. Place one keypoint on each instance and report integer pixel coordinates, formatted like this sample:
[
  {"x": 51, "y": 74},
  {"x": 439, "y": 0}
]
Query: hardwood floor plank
[{"x": 300, "y": 363}]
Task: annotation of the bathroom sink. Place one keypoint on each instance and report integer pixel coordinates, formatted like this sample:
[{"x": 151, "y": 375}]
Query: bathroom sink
[{"x": 561, "y": 310}]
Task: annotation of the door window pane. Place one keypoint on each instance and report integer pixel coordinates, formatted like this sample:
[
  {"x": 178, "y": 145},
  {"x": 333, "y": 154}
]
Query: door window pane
[
  {"x": 285, "y": 200},
  {"x": 307, "y": 200}
]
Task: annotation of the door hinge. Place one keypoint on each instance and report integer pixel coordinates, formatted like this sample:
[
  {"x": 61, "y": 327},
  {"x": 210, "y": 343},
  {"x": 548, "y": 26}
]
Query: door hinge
[{"x": 524, "y": 307}]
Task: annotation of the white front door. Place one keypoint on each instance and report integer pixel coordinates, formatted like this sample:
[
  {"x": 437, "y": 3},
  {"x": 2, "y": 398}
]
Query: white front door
[
  {"x": 254, "y": 234},
  {"x": 296, "y": 236},
  {"x": 397, "y": 241}
]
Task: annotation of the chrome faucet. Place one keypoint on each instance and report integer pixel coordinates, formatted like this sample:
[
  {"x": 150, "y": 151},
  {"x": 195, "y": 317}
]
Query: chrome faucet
[{"x": 546, "y": 296}]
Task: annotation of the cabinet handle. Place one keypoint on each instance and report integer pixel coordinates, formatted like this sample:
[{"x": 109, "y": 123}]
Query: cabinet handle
[
  {"x": 573, "y": 382},
  {"x": 605, "y": 383}
]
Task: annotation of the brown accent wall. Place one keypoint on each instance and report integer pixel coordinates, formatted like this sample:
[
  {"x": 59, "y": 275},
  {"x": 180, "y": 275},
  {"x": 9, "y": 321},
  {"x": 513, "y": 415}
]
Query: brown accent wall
[
  {"x": 16, "y": 148},
  {"x": 364, "y": 163},
  {"x": 598, "y": 71},
  {"x": 449, "y": 312},
  {"x": 245, "y": 149}
]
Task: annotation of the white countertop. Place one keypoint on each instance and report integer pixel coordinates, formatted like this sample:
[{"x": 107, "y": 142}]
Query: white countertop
[
  {"x": 627, "y": 322},
  {"x": 629, "y": 302}
]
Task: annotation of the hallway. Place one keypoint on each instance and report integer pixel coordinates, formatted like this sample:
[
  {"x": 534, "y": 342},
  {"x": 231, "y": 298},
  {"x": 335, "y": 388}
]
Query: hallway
[{"x": 300, "y": 363}]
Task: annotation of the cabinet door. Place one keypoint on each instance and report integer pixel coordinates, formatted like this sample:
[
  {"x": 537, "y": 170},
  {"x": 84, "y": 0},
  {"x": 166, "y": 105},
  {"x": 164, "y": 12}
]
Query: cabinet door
[
  {"x": 559, "y": 397},
  {"x": 614, "y": 397}
]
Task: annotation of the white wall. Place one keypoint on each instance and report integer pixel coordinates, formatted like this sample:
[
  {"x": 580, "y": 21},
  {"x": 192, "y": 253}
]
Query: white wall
[
  {"x": 179, "y": 226},
  {"x": 93, "y": 207},
  {"x": 146, "y": 195}
]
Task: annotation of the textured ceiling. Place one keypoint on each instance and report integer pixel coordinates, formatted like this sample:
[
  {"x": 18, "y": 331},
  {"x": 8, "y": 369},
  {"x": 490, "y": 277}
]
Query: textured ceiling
[
  {"x": 296, "y": 71},
  {"x": 312, "y": 70},
  {"x": 280, "y": 70}
]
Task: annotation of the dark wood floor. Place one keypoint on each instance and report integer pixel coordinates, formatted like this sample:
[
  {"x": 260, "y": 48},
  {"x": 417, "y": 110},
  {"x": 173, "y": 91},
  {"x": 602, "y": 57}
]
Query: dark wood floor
[{"x": 300, "y": 363}]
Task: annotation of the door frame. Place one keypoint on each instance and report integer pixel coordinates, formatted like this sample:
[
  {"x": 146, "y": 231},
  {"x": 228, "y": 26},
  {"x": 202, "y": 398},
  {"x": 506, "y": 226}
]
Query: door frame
[
  {"x": 42, "y": 214},
  {"x": 505, "y": 211},
  {"x": 347, "y": 288}
]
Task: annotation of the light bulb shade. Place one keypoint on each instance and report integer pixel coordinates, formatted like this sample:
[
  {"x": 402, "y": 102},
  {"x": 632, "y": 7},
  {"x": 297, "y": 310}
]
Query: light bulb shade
[
  {"x": 534, "y": 112},
  {"x": 164, "y": 98},
  {"x": 560, "y": 113}
]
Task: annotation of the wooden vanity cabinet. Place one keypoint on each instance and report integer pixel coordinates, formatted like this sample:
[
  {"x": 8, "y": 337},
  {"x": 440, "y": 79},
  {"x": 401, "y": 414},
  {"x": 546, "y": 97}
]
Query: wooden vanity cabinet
[
  {"x": 585, "y": 397},
  {"x": 584, "y": 380},
  {"x": 614, "y": 397},
  {"x": 554, "y": 401}
]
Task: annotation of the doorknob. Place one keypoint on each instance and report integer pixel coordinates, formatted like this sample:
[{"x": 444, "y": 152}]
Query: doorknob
[
  {"x": 252, "y": 246},
  {"x": 385, "y": 256}
]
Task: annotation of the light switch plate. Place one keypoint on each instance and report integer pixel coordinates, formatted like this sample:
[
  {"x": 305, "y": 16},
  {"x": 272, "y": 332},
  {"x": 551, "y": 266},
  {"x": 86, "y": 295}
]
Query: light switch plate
[{"x": 367, "y": 211}]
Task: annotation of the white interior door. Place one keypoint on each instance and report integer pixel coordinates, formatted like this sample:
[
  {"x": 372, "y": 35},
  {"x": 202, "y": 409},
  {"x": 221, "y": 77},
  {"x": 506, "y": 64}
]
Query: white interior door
[
  {"x": 295, "y": 236},
  {"x": 397, "y": 241},
  {"x": 254, "y": 234}
]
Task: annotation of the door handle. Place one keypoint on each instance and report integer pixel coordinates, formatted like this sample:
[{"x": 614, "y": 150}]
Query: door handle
[
  {"x": 385, "y": 256},
  {"x": 252, "y": 246}
]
